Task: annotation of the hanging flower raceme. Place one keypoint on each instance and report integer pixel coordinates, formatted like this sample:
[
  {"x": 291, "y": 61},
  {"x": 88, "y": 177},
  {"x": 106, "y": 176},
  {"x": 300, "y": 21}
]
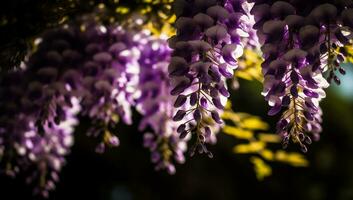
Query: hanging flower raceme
[
  {"x": 298, "y": 48},
  {"x": 47, "y": 152},
  {"x": 46, "y": 106},
  {"x": 206, "y": 46},
  {"x": 109, "y": 79},
  {"x": 155, "y": 104},
  {"x": 94, "y": 71},
  {"x": 98, "y": 65},
  {"x": 36, "y": 128},
  {"x": 334, "y": 23}
]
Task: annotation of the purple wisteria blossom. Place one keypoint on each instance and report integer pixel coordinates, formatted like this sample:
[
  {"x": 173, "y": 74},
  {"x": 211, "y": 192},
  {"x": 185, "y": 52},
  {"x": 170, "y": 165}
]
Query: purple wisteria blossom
[
  {"x": 206, "y": 47},
  {"x": 155, "y": 104},
  {"x": 93, "y": 72},
  {"x": 299, "y": 45},
  {"x": 36, "y": 126},
  {"x": 109, "y": 79}
]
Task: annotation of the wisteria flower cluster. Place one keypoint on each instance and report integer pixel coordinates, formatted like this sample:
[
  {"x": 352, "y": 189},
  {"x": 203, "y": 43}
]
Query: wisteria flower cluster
[
  {"x": 90, "y": 70},
  {"x": 299, "y": 46},
  {"x": 155, "y": 105},
  {"x": 206, "y": 47}
]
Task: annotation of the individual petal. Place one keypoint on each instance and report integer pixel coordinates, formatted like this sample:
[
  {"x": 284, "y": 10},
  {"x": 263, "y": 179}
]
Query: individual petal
[
  {"x": 181, "y": 84},
  {"x": 197, "y": 115},
  {"x": 294, "y": 91},
  {"x": 216, "y": 118},
  {"x": 231, "y": 52},
  {"x": 310, "y": 93},
  {"x": 217, "y": 103},
  {"x": 282, "y": 9},
  {"x": 223, "y": 69},
  {"x": 218, "y": 12},
  {"x": 203, "y": 20},
  {"x": 181, "y": 99},
  {"x": 178, "y": 66},
  {"x": 274, "y": 110},
  {"x": 200, "y": 66},
  {"x": 286, "y": 100},
  {"x": 294, "y": 77},
  {"x": 273, "y": 27},
  {"x": 179, "y": 115},
  {"x": 295, "y": 55},
  {"x": 324, "y": 12},
  {"x": 217, "y": 33},
  {"x": 181, "y": 128},
  {"x": 347, "y": 17},
  {"x": 200, "y": 46},
  {"x": 294, "y": 22},
  {"x": 193, "y": 99},
  {"x": 309, "y": 36},
  {"x": 102, "y": 57}
]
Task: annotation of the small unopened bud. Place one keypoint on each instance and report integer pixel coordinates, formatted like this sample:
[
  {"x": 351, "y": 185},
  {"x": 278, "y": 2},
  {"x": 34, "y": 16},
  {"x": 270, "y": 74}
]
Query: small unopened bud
[
  {"x": 303, "y": 148},
  {"x": 342, "y": 71},
  {"x": 181, "y": 128},
  {"x": 197, "y": 114},
  {"x": 183, "y": 134},
  {"x": 179, "y": 115},
  {"x": 337, "y": 80},
  {"x": 181, "y": 99}
]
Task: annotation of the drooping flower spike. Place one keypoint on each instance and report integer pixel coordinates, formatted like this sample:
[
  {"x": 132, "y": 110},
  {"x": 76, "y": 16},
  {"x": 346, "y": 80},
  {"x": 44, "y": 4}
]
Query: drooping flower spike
[
  {"x": 99, "y": 66},
  {"x": 155, "y": 104},
  {"x": 206, "y": 47},
  {"x": 36, "y": 124},
  {"x": 299, "y": 46},
  {"x": 110, "y": 79},
  {"x": 92, "y": 71}
]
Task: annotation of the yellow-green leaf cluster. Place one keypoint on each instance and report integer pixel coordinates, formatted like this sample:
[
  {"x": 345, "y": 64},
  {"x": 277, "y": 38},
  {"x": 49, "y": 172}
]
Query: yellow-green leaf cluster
[
  {"x": 251, "y": 132},
  {"x": 166, "y": 29},
  {"x": 262, "y": 169},
  {"x": 250, "y": 66},
  {"x": 349, "y": 57}
]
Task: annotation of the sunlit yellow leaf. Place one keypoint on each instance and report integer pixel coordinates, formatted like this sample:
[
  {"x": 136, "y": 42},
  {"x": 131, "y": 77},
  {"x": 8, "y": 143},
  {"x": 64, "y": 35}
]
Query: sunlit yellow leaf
[
  {"x": 267, "y": 154},
  {"x": 246, "y": 127},
  {"x": 231, "y": 116},
  {"x": 243, "y": 115},
  {"x": 115, "y": 118},
  {"x": 228, "y": 105},
  {"x": 252, "y": 73},
  {"x": 238, "y": 132},
  {"x": 254, "y": 123},
  {"x": 269, "y": 138},
  {"x": 250, "y": 66},
  {"x": 349, "y": 57},
  {"x": 122, "y": 10},
  {"x": 172, "y": 19},
  {"x": 166, "y": 30},
  {"x": 294, "y": 159},
  {"x": 262, "y": 169},
  {"x": 252, "y": 147}
]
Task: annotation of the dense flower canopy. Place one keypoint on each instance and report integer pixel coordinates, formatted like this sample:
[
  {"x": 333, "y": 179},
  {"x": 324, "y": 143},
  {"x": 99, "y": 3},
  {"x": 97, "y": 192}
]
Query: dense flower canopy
[{"x": 179, "y": 85}]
